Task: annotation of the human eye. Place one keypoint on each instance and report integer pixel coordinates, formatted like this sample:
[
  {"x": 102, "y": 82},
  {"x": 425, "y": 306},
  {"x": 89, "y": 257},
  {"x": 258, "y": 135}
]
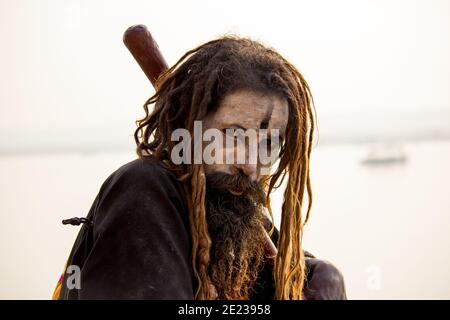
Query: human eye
[
  {"x": 265, "y": 142},
  {"x": 235, "y": 133},
  {"x": 272, "y": 145}
]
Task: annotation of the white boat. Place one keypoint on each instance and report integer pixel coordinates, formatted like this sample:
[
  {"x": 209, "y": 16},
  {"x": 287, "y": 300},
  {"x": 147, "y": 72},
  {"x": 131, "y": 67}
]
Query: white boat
[{"x": 383, "y": 154}]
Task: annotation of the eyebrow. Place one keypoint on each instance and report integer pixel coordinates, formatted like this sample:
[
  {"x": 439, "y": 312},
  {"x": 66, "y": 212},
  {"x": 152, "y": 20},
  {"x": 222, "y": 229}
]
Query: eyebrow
[{"x": 227, "y": 125}]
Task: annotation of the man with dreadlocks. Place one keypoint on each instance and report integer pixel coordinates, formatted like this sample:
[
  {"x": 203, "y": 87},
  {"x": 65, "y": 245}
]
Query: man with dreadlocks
[{"x": 165, "y": 230}]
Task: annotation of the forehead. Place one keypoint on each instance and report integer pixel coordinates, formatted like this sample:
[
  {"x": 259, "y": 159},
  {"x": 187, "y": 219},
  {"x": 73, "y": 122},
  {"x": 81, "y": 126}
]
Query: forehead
[{"x": 250, "y": 109}]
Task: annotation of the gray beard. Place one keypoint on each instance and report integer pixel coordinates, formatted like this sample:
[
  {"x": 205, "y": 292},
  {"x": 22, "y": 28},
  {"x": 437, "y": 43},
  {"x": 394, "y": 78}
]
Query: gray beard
[{"x": 237, "y": 249}]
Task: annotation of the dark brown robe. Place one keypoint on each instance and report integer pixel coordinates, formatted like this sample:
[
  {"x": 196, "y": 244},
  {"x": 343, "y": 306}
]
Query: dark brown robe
[{"x": 139, "y": 244}]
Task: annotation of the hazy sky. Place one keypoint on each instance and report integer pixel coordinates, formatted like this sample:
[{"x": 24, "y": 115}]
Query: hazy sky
[{"x": 64, "y": 66}]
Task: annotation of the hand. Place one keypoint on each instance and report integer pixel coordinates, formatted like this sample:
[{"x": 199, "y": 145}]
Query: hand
[{"x": 325, "y": 281}]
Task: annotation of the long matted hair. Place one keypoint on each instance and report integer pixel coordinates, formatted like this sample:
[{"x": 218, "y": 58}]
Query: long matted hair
[{"x": 191, "y": 89}]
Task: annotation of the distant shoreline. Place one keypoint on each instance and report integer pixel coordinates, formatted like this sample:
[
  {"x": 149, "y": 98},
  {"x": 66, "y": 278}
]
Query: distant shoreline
[{"x": 95, "y": 149}]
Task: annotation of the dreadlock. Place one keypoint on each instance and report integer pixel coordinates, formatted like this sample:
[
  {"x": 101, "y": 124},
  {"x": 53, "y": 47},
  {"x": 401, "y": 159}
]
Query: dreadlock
[{"x": 191, "y": 89}]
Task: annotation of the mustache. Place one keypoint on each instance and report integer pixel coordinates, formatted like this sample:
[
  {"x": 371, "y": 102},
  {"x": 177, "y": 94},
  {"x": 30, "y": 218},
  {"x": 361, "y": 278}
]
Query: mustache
[{"x": 236, "y": 184}]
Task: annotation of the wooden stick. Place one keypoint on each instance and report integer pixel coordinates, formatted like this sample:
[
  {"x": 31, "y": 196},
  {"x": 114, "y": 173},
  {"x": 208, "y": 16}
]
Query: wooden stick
[{"x": 145, "y": 50}]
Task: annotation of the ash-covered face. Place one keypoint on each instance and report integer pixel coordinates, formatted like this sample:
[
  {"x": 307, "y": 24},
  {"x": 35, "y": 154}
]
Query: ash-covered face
[
  {"x": 235, "y": 196},
  {"x": 248, "y": 110}
]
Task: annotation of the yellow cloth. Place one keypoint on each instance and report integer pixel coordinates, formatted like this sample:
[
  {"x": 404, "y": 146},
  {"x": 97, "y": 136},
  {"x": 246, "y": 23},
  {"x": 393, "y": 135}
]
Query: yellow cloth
[{"x": 57, "y": 291}]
